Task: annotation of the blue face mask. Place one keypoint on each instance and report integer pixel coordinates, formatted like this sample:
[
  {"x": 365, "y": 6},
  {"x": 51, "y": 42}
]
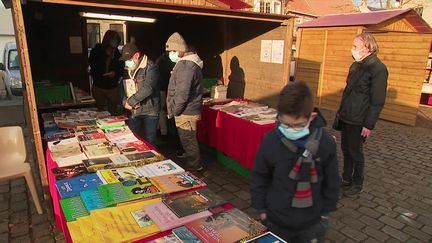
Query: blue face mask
[
  {"x": 173, "y": 56},
  {"x": 130, "y": 64},
  {"x": 293, "y": 134}
]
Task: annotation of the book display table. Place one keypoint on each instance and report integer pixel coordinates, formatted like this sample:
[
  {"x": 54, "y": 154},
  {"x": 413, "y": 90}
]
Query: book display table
[{"x": 236, "y": 137}]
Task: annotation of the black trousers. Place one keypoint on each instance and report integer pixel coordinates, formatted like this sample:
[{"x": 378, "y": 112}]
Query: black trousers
[{"x": 352, "y": 149}]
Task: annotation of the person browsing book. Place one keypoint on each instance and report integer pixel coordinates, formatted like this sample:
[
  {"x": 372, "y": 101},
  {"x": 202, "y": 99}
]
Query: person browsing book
[
  {"x": 294, "y": 181},
  {"x": 142, "y": 96}
]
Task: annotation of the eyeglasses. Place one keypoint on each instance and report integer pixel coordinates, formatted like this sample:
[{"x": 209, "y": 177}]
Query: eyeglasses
[{"x": 296, "y": 127}]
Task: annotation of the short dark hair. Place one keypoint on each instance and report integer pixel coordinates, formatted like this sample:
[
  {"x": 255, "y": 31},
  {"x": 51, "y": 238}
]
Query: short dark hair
[{"x": 296, "y": 100}]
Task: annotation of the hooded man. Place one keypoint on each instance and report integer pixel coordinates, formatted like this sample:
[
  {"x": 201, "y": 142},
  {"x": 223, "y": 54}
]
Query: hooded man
[
  {"x": 184, "y": 97},
  {"x": 144, "y": 103}
]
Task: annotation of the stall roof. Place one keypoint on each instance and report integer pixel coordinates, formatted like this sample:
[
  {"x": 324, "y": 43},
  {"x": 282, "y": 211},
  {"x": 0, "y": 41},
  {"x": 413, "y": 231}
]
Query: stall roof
[
  {"x": 370, "y": 18},
  {"x": 231, "y": 11}
]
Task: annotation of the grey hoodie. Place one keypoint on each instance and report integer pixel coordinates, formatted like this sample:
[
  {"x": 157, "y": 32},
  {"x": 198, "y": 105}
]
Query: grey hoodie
[{"x": 185, "y": 87}]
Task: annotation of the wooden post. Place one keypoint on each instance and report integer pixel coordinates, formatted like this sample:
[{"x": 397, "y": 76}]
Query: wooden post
[
  {"x": 322, "y": 70},
  {"x": 29, "y": 95},
  {"x": 288, "y": 50}
]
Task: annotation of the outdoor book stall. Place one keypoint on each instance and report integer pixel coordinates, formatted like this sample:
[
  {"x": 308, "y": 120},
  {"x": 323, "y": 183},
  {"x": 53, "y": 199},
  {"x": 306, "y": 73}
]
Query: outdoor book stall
[
  {"x": 51, "y": 38},
  {"x": 404, "y": 41}
]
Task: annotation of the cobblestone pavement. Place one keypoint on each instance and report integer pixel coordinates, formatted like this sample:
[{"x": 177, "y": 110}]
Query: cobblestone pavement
[{"x": 396, "y": 205}]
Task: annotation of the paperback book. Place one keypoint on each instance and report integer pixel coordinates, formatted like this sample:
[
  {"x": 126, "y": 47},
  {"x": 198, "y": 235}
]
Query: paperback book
[
  {"x": 92, "y": 200},
  {"x": 193, "y": 202},
  {"x": 61, "y": 173},
  {"x": 73, "y": 186},
  {"x": 140, "y": 188},
  {"x": 177, "y": 182},
  {"x": 226, "y": 227},
  {"x": 267, "y": 237},
  {"x": 73, "y": 208},
  {"x": 185, "y": 235},
  {"x": 100, "y": 150},
  {"x": 161, "y": 168},
  {"x": 118, "y": 175},
  {"x": 165, "y": 219},
  {"x": 132, "y": 147},
  {"x": 112, "y": 194}
]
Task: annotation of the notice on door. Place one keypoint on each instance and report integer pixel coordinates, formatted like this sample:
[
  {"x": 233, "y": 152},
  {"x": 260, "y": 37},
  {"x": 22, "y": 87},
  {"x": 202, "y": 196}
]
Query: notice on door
[{"x": 272, "y": 51}]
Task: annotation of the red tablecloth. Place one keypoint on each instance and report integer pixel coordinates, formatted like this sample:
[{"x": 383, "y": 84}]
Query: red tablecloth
[{"x": 237, "y": 138}]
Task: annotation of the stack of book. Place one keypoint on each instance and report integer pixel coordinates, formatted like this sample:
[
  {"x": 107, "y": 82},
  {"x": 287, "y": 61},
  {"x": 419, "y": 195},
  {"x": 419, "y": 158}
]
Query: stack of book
[{"x": 249, "y": 111}]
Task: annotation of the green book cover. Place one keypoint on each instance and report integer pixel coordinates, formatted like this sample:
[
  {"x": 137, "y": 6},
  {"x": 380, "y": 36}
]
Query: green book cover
[
  {"x": 140, "y": 188},
  {"x": 73, "y": 208},
  {"x": 112, "y": 194}
]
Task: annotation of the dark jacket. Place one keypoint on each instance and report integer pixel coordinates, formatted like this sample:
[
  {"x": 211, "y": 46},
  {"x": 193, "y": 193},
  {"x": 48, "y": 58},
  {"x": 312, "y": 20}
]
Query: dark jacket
[
  {"x": 365, "y": 93},
  {"x": 185, "y": 87},
  {"x": 272, "y": 190},
  {"x": 146, "y": 101},
  {"x": 98, "y": 64},
  {"x": 165, "y": 67}
]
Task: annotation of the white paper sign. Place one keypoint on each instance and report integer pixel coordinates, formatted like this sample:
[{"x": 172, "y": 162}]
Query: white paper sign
[
  {"x": 277, "y": 51},
  {"x": 266, "y": 49},
  {"x": 75, "y": 43}
]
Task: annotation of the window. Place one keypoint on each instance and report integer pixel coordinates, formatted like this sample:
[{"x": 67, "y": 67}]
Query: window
[
  {"x": 119, "y": 29},
  {"x": 93, "y": 34},
  {"x": 268, "y": 6},
  {"x": 13, "y": 60}
]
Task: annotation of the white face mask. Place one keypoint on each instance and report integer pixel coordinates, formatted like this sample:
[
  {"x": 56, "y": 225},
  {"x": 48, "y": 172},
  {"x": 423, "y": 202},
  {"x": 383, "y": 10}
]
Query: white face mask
[{"x": 356, "y": 55}]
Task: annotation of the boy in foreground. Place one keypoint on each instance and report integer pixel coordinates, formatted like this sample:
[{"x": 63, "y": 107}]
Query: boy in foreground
[{"x": 295, "y": 182}]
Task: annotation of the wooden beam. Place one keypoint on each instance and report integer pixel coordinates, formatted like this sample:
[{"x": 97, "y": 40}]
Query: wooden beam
[
  {"x": 26, "y": 77},
  {"x": 322, "y": 71}
]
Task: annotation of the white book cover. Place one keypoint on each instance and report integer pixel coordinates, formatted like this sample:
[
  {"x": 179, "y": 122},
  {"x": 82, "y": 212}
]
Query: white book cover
[
  {"x": 161, "y": 168},
  {"x": 71, "y": 160}
]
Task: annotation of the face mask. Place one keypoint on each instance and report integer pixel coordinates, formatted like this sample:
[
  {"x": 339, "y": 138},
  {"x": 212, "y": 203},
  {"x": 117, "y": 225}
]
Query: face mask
[
  {"x": 130, "y": 64},
  {"x": 173, "y": 56},
  {"x": 114, "y": 43},
  {"x": 356, "y": 55},
  {"x": 293, "y": 134}
]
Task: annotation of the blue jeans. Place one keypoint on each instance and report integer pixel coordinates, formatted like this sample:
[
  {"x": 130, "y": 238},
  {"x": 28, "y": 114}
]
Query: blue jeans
[{"x": 145, "y": 126}]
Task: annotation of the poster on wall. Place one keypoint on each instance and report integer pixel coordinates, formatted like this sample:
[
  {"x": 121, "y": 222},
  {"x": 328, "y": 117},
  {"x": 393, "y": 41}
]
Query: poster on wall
[
  {"x": 272, "y": 51},
  {"x": 75, "y": 44},
  {"x": 277, "y": 51},
  {"x": 266, "y": 46}
]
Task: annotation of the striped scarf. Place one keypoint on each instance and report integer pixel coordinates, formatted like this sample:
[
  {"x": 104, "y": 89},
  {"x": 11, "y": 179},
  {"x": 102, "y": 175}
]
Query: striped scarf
[{"x": 304, "y": 171}]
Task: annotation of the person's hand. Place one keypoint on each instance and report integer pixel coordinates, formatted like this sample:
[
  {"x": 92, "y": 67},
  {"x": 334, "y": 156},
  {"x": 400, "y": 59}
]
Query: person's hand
[
  {"x": 366, "y": 132},
  {"x": 127, "y": 106},
  {"x": 263, "y": 216},
  {"x": 110, "y": 74}
]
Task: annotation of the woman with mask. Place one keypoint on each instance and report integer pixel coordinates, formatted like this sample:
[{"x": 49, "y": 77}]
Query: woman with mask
[
  {"x": 144, "y": 104},
  {"x": 106, "y": 70}
]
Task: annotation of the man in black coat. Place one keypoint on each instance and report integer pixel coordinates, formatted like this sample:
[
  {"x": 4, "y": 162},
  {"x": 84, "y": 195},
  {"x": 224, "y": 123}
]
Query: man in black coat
[{"x": 362, "y": 101}]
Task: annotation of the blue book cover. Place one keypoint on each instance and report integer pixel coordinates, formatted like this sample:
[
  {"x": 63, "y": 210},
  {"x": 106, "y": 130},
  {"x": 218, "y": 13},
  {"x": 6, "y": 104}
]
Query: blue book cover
[
  {"x": 92, "y": 199},
  {"x": 184, "y": 235},
  {"x": 73, "y": 186},
  {"x": 267, "y": 237}
]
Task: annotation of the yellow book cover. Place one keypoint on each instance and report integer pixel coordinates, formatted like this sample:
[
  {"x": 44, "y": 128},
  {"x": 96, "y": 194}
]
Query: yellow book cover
[
  {"x": 88, "y": 230},
  {"x": 124, "y": 223},
  {"x": 75, "y": 232},
  {"x": 108, "y": 176}
]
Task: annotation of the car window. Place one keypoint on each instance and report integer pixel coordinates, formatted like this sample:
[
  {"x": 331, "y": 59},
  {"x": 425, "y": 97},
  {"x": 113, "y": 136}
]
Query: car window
[{"x": 13, "y": 60}]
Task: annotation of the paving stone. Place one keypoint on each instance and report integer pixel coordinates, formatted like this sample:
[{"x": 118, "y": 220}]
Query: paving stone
[
  {"x": 18, "y": 217},
  {"x": 370, "y": 212},
  {"x": 386, "y": 211},
  {"x": 376, "y": 234},
  {"x": 45, "y": 239},
  {"x": 240, "y": 204},
  {"x": 18, "y": 189},
  {"x": 353, "y": 223},
  {"x": 408, "y": 213},
  {"x": 371, "y": 222},
  {"x": 4, "y": 238},
  {"x": 4, "y": 216},
  {"x": 408, "y": 221},
  {"x": 226, "y": 195},
  {"x": 4, "y": 206},
  {"x": 19, "y": 206},
  {"x": 337, "y": 224},
  {"x": 231, "y": 188},
  {"x": 383, "y": 202},
  {"x": 335, "y": 236},
  {"x": 214, "y": 187},
  {"x": 39, "y": 218},
  {"x": 21, "y": 239},
  {"x": 413, "y": 240},
  {"x": 4, "y": 189},
  {"x": 354, "y": 234},
  {"x": 18, "y": 197},
  {"x": 4, "y": 227},
  {"x": 427, "y": 229},
  {"x": 244, "y": 195},
  {"x": 397, "y": 234},
  {"x": 41, "y": 230},
  {"x": 17, "y": 182},
  {"x": 19, "y": 229},
  {"x": 417, "y": 234},
  {"x": 392, "y": 222}
]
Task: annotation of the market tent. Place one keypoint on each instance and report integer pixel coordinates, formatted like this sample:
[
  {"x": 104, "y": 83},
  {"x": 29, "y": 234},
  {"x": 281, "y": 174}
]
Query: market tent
[
  {"x": 404, "y": 40},
  {"x": 43, "y": 30}
]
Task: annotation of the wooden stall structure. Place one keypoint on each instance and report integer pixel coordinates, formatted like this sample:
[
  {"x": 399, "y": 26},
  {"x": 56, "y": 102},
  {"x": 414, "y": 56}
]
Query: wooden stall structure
[
  {"x": 218, "y": 31},
  {"x": 404, "y": 41}
]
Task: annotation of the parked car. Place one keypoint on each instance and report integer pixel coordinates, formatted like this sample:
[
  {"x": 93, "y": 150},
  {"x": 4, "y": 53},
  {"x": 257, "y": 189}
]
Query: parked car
[{"x": 11, "y": 69}]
